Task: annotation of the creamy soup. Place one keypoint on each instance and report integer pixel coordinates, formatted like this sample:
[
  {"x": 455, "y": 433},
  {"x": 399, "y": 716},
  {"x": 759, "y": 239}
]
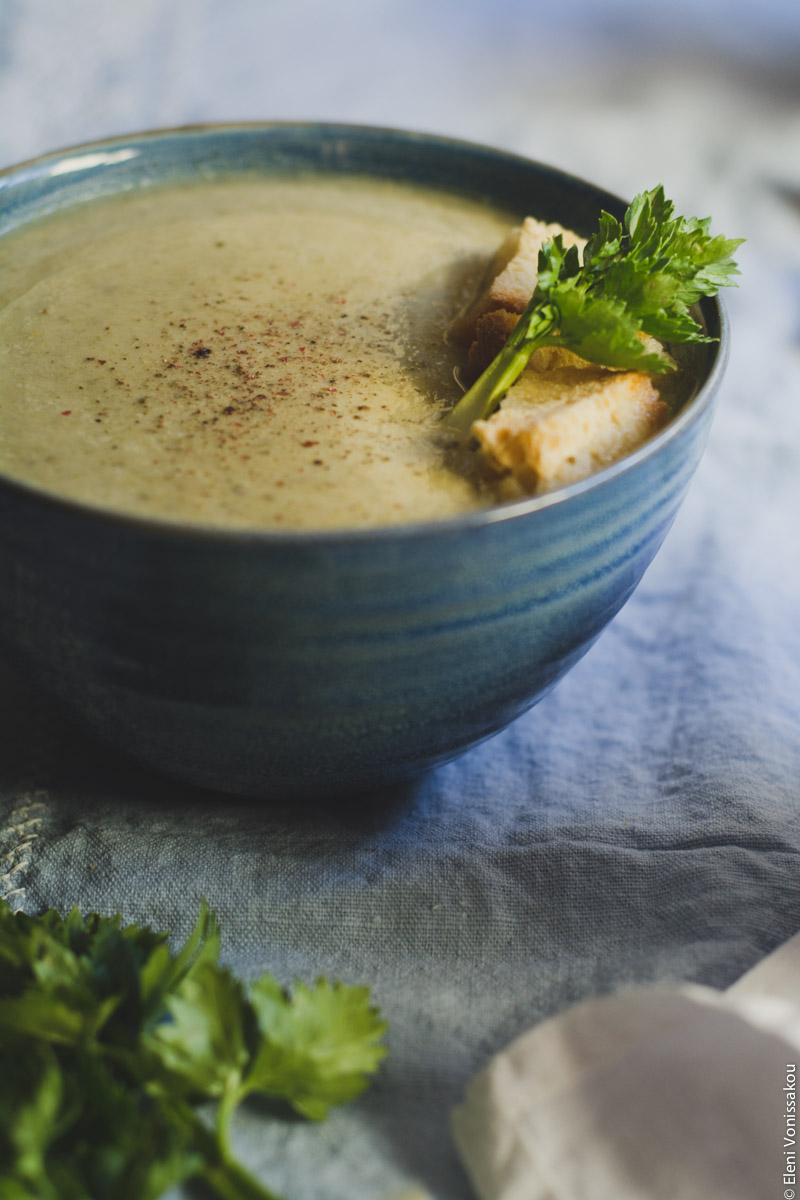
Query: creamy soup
[{"x": 256, "y": 352}]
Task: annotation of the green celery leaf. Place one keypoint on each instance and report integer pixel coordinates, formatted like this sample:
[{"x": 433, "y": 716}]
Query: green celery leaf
[
  {"x": 56, "y": 981},
  {"x": 51, "y": 1019},
  {"x": 163, "y": 972},
  {"x": 30, "y": 1102},
  {"x": 27, "y": 945},
  {"x": 317, "y": 1047},
  {"x": 605, "y": 244},
  {"x": 201, "y": 1048},
  {"x": 601, "y": 330},
  {"x": 125, "y": 1145}
]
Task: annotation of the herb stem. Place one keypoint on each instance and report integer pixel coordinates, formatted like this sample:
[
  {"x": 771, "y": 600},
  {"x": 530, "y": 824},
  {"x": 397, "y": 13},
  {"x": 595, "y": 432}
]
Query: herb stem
[
  {"x": 221, "y": 1173},
  {"x": 530, "y": 333},
  {"x": 229, "y": 1181},
  {"x": 227, "y": 1106}
]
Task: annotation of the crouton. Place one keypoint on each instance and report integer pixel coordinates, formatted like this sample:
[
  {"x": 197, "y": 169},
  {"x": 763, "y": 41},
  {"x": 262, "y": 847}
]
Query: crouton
[
  {"x": 512, "y": 275},
  {"x": 560, "y": 424},
  {"x": 491, "y": 334}
]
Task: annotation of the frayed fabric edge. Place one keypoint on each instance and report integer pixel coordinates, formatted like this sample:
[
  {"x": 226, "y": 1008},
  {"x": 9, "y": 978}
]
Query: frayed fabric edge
[{"x": 18, "y": 834}]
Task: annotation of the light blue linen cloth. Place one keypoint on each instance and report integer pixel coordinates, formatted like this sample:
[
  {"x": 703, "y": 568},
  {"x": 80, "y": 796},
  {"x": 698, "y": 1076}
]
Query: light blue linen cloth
[{"x": 643, "y": 823}]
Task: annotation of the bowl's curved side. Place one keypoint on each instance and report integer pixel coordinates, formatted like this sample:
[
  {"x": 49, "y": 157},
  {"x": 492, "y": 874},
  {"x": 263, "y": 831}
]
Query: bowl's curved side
[{"x": 313, "y": 667}]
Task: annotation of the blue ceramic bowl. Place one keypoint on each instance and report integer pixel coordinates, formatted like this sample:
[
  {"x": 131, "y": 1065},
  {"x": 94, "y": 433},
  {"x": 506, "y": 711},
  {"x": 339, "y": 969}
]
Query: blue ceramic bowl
[{"x": 279, "y": 664}]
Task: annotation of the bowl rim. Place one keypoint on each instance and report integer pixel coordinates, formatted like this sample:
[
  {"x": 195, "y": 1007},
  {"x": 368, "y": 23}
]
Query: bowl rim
[{"x": 166, "y": 527}]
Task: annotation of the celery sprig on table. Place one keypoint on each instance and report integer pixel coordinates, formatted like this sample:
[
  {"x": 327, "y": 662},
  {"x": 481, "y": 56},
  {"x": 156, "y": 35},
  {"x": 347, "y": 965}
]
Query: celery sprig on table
[
  {"x": 638, "y": 276},
  {"x": 110, "y": 1042}
]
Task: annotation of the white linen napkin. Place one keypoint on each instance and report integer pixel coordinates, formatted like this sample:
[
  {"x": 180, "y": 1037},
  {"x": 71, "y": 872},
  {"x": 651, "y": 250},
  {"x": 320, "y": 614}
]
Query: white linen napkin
[{"x": 680, "y": 1094}]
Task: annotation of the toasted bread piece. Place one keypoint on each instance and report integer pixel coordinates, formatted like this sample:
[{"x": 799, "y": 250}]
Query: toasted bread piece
[
  {"x": 491, "y": 334},
  {"x": 558, "y": 425},
  {"x": 512, "y": 275}
]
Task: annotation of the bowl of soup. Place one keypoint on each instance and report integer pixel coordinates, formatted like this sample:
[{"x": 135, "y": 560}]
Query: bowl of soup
[{"x": 234, "y": 542}]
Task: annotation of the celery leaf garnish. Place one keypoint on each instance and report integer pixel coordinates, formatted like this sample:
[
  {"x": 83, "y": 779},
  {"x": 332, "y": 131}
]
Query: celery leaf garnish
[{"x": 638, "y": 276}]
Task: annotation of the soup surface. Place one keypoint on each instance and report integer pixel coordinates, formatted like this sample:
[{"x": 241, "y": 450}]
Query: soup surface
[{"x": 260, "y": 353}]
